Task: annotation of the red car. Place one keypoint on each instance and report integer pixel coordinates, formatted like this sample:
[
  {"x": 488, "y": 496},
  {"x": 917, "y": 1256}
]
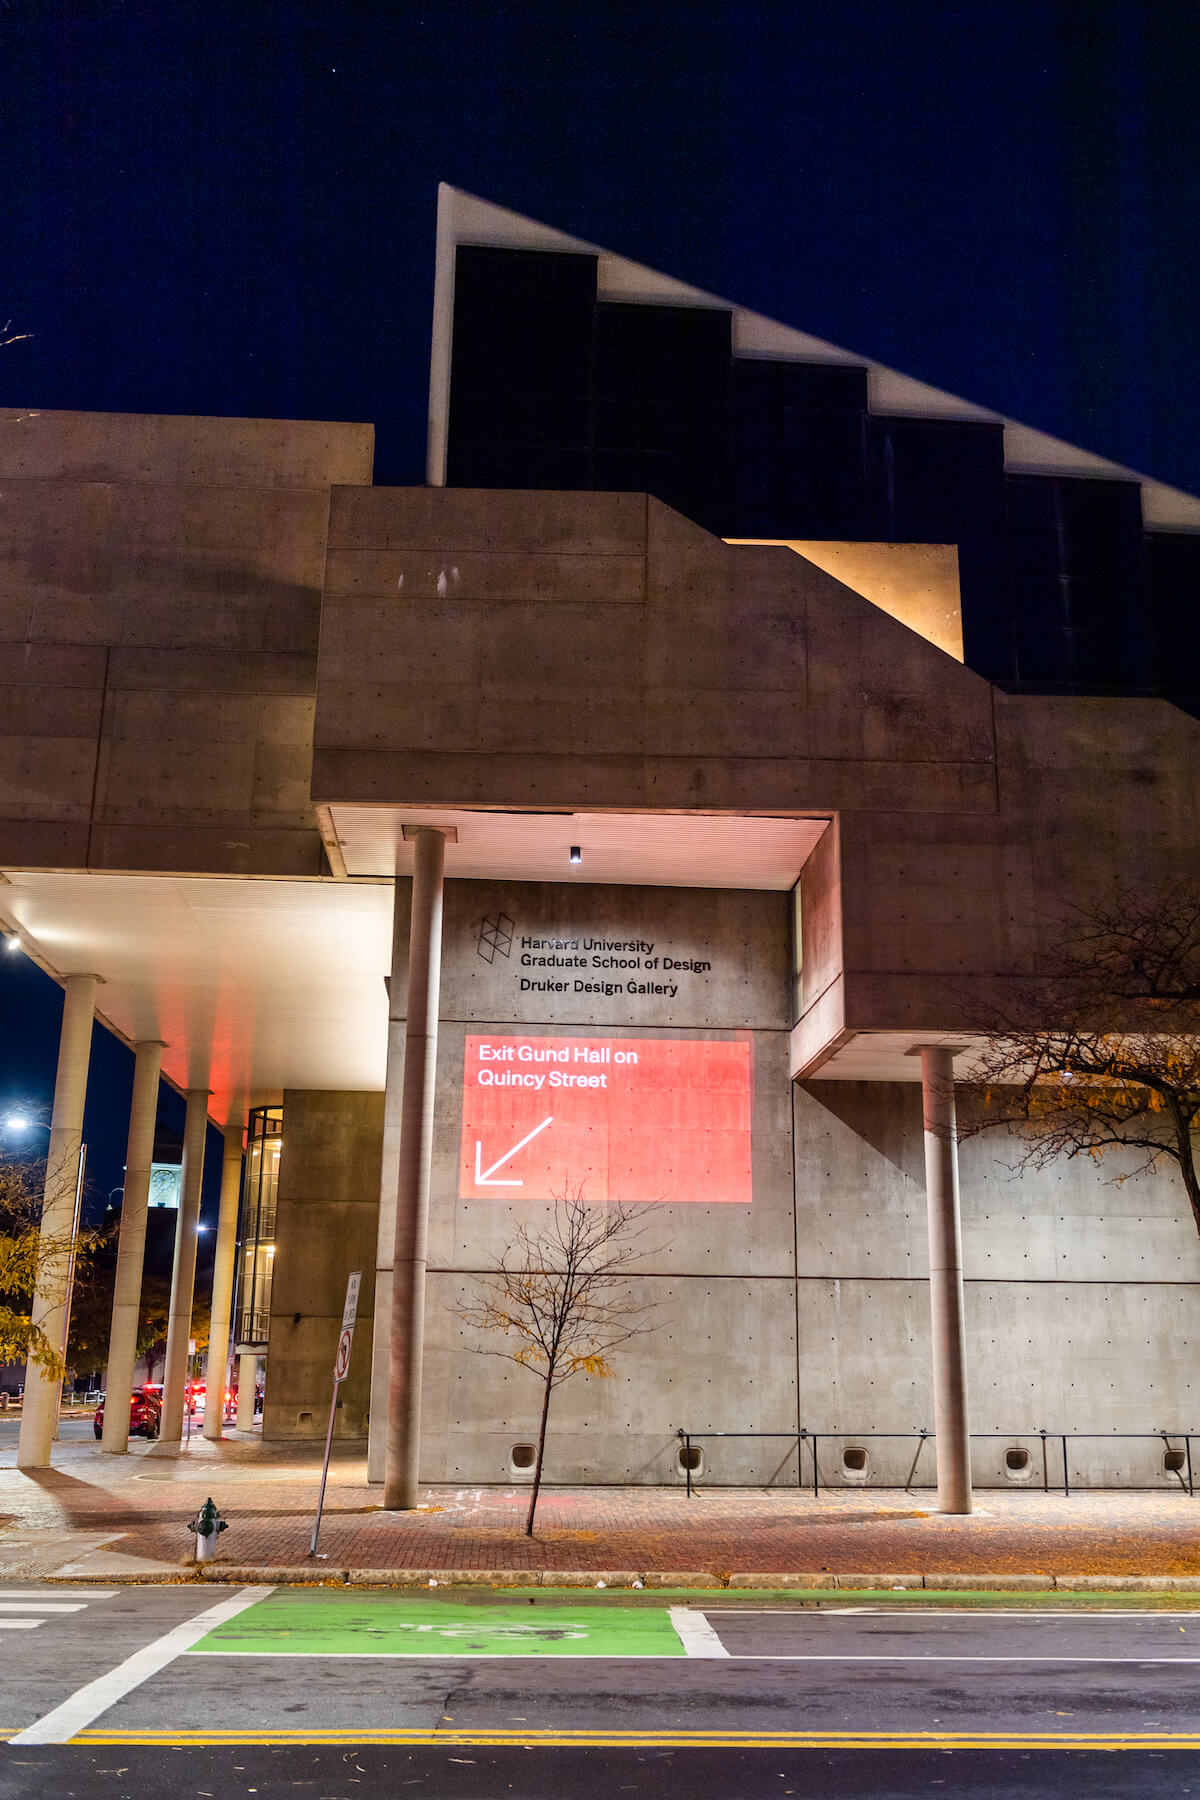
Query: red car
[{"x": 144, "y": 1416}]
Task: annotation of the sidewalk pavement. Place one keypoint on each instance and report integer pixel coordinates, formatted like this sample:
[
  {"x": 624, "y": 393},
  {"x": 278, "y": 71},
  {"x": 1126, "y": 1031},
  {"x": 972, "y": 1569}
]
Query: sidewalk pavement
[{"x": 109, "y": 1517}]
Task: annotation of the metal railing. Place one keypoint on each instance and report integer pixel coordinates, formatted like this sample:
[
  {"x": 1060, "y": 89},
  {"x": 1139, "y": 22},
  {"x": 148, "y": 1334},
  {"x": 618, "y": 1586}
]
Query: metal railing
[{"x": 923, "y": 1436}]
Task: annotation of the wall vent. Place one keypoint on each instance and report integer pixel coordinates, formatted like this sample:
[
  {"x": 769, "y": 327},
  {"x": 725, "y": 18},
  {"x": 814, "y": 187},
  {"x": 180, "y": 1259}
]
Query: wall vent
[{"x": 856, "y": 1464}]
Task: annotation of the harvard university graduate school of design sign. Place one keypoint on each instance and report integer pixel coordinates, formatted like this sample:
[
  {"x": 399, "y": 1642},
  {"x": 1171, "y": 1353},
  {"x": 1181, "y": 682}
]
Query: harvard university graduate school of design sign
[{"x": 628, "y": 1119}]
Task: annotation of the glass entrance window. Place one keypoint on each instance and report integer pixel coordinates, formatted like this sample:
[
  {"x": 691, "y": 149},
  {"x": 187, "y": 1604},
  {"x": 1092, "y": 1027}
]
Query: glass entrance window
[{"x": 256, "y": 1253}]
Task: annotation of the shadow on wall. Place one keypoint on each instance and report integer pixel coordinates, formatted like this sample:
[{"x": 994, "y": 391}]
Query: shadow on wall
[{"x": 886, "y": 1115}]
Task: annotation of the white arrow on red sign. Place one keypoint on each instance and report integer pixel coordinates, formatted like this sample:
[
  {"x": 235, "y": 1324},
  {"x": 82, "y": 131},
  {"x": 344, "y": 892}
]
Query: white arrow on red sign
[{"x": 483, "y": 1177}]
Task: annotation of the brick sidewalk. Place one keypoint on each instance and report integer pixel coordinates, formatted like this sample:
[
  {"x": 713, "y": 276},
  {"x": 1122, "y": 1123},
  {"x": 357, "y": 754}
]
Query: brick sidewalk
[{"x": 268, "y": 1495}]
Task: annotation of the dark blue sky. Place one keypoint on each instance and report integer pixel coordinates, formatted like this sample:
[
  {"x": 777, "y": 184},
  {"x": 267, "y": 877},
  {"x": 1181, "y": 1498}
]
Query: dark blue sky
[{"x": 230, "y": 209}]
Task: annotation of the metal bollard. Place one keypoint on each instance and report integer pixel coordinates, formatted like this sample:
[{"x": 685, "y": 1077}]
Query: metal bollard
[{"x": 207, "y": 1525}]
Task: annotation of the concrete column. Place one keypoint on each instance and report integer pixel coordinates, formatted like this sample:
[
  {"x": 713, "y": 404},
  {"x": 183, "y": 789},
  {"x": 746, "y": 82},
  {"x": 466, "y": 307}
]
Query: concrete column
[
  {"x": 945, "y": 1281},
  {"x": 39, "y": 1411},
  {"x": 131, "y": 1246},
  {"x": 412, "y": 1185},
  {"x": 183, "y": 1269},
  {"x": 216, "y": 1376},
  {"x": 247, "y": 1383},
  {"x": 385, "y": 1246}
]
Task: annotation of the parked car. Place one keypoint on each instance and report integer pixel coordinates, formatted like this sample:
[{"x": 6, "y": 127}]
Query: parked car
[{"x": 145, "y": 1415}]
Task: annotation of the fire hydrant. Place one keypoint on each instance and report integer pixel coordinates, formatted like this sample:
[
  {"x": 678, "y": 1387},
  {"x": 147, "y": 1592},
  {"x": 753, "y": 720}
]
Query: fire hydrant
[{"x": 207, "y": 1525}]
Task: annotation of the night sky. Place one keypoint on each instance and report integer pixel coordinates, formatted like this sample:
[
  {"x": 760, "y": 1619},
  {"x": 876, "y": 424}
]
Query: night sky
[{"x": 229, "y": 209}]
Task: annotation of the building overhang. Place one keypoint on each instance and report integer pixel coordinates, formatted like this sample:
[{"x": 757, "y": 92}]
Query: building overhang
[{"x": 256, "y": 986}]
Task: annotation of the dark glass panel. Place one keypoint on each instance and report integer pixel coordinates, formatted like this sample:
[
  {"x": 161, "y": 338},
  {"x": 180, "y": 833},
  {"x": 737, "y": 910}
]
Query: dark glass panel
[
  {"x": 797, "y": 450},
  {"x": 520, "y": 380},
  {"x": 661, "y": 416},
  {"x": 937, "y": 481}
]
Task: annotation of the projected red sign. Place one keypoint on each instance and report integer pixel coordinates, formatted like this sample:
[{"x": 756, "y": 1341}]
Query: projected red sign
[{"x": 631, "y": 1119}]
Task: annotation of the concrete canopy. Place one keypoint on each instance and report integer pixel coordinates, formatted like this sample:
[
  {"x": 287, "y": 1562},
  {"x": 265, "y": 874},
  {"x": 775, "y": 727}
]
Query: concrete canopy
[{"x": 258, "y": 986}]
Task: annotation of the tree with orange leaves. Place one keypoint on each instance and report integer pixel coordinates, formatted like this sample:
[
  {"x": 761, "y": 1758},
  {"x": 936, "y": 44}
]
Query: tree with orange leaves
[{"x": 1101, "y": 1053}]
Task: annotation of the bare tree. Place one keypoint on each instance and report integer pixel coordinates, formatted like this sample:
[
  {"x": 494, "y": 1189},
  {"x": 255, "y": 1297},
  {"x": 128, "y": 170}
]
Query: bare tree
[
  {"x": 1101, "y": 1053},
  {"x": 560, "y": 1297}
]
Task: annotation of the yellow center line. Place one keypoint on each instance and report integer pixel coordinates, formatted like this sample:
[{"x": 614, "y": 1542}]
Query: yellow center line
[{"x": 598, "y": 1738}]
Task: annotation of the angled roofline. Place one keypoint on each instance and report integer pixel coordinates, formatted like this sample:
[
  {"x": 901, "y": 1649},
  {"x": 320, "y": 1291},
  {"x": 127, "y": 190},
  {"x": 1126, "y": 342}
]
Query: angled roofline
[{"x": 464, "y": 218}]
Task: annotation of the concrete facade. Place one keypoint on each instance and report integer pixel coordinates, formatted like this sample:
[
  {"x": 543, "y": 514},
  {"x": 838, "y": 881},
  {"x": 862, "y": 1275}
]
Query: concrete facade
[
  {"x": 326, "y": 1216},
  {"x": 160, "y": 592},
  {"x": 221, "y": 650}
]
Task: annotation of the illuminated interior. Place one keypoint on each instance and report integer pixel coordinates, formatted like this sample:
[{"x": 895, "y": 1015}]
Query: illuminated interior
[{"x": 256, "y": 1256}]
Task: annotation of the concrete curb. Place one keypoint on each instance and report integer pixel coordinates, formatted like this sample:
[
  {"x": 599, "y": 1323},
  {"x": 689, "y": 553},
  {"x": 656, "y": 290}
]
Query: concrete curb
[
  {"x": 700, "y": 1580},
  {"x": 618, "y": 1580}
]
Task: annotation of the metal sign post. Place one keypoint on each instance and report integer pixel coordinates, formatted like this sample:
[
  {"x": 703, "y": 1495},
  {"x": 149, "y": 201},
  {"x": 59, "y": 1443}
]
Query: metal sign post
[{"x": 341, "y": 1365}]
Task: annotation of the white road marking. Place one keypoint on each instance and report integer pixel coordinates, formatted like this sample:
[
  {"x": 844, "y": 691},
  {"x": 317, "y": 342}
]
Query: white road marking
[
  {"x": 912, "y": 1614},
  {"x": 25, "y": 1594},
  {"x": 88, "y": 1702},
  {"x": 695, "y": 1633},
  {"x": 42, "y": 1606},
  {"x": 422, "y": 1656},
  {"x": 933, "y": 1656},
  {"x": 20, "y": 1624}
]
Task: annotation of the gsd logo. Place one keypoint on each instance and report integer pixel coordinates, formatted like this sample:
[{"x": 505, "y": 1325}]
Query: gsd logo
[{"x": 495, "y": 937}]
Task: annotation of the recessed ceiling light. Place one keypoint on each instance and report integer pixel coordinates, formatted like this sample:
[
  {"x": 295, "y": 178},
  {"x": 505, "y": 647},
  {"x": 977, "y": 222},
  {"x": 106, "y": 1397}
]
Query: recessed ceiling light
[{"x": 576, "y": 854}]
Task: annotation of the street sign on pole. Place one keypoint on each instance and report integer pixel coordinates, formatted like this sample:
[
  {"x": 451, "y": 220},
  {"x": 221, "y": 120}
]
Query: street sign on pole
[{"x": 341, "y": 1365}]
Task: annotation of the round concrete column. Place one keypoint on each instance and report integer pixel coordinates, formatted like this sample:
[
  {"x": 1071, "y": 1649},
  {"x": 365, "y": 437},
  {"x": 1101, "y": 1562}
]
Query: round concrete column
[
  {"x": 412, "y": 1186},
  {"x": 953, "y": 1445},
  {"x": 216, "y": 1378},
  {"x": 183, "y": 1269},
  {"x": 247, "y": 1383},
  {"x": 39, "y": 1412},
  {"x": 131, "y": 1246}
]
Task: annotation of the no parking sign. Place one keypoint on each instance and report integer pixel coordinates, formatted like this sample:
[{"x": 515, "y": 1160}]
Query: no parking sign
[
  {"x": 341, "y": 1364},
  {"x": 341, "y": 1361}
]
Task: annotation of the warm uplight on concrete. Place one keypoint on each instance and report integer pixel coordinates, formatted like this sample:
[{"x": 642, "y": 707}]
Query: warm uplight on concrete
[{"x": 914, "y": 583}]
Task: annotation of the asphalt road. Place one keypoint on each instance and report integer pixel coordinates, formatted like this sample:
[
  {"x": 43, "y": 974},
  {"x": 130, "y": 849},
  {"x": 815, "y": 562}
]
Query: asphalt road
[
  {"x": 350, "y": 1694},
  {"x": 75, "y": 1426}
]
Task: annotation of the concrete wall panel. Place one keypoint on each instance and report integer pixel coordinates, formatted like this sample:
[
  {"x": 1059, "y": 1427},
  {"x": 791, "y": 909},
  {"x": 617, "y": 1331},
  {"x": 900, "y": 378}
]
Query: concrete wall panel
[
  {"x": 157, "y": 448},
  {"x": 860, "y": 1196},
  {"x": 422, "y": 579},
  {"x": 721, "y": 1357},
  {"x": 328, "y": 1205},
  {"x": 482, "y": 521}
]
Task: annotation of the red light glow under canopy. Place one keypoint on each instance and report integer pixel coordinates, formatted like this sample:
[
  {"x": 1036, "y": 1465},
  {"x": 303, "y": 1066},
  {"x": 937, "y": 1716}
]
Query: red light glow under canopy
[{"x": 629, "y": 1119}]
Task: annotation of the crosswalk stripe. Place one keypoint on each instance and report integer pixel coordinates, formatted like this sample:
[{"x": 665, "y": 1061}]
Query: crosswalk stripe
[
  {"x": 34, "y": 1598},
  {"x": 41, "y": 1606},
  {"x": 20, "y": 1624},
  {"x": 84, "y": 1707}
]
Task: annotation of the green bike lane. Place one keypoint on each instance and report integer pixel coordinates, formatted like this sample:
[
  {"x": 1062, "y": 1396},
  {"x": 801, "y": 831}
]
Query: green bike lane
[{"x": 316, "y": 1622}]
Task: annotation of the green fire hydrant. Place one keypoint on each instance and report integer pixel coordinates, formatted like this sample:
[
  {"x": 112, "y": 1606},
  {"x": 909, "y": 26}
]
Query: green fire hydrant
[{"x": 207, "y": 1525}]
